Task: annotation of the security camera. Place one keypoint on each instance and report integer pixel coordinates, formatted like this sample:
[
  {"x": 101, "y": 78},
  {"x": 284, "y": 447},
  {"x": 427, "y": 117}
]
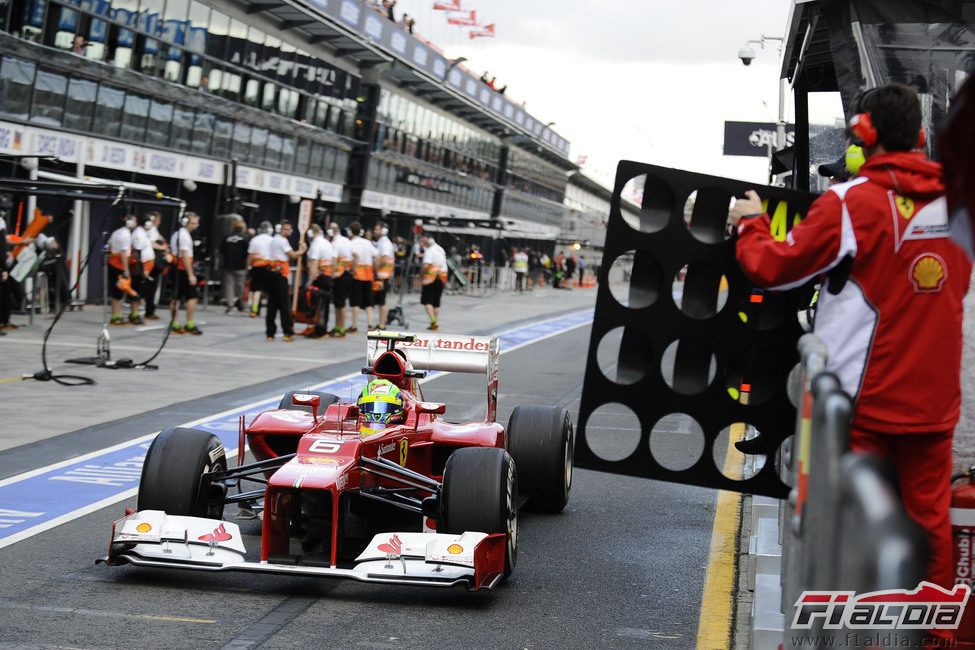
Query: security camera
[{"x": 747, "y": 55}]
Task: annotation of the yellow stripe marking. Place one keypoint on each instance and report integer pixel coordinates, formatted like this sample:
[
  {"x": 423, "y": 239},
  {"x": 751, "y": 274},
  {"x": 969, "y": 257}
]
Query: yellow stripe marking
[
  {"x": 714, "y": 624},
  {"x": 6, "y": 604},
  {"x": 3, "y": 381}
]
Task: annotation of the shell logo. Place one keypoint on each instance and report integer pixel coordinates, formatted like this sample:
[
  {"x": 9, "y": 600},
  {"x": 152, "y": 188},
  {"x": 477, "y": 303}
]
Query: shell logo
[
  {"x": 455, "y": 549},
  {"x": 143, "y": 528},
  {"x": 928, "y": 273}
]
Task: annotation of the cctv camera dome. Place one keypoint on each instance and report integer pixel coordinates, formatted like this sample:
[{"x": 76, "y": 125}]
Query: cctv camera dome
[{"x": 746, "y": 54}]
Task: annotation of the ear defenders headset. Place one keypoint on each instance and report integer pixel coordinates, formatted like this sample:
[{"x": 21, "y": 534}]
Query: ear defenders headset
[
  {"x": 130, "y": 221},
  {"x": 277, "y": 229},
  {"x": 864, "y": 133},
  {"x": 184, "y": 219},
  {"x": 384, "y": 230}
]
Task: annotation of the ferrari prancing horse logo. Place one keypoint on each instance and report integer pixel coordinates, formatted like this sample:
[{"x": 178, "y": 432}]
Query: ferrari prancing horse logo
[
  {"x": 404, "y": 447},
  {"x": 905, "y": 206}
]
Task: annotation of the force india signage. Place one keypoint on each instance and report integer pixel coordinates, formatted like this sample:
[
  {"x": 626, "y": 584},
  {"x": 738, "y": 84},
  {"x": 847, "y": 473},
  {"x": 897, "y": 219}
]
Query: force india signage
[{"x": 94, "y": 152}]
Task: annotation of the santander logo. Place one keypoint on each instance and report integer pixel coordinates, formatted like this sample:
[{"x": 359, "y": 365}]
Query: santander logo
[
  {"x": 394, "y": 545},
  {"x": 219, "y": 534}
]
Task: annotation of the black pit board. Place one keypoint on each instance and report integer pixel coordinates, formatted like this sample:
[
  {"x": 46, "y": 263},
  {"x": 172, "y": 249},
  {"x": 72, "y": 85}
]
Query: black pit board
[{"x": 750, "y": 339}]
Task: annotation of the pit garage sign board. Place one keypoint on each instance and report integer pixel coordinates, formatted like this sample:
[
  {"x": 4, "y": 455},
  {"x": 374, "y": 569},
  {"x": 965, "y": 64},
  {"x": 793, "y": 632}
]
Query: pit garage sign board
[{"x": 304, "y": 215}]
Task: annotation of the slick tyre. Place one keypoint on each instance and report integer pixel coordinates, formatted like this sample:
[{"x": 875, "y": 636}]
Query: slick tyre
[
  {"x": 541, "y": 439},
  {"x": 327, "y": 399},
  {"x": 172, "y": 475},
  {"x": 480, "y": 494}
]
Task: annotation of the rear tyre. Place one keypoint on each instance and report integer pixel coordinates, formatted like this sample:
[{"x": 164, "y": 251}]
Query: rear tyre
[
  {"x": 327, "y": 399},
  {"x": 172, "y": 475},
  {"x": 480, "y": 494},
  {"x": 541, "y": 440}
]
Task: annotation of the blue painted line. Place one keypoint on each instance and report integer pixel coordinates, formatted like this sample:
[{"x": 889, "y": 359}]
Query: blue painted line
[{"x": 41, "y": 499}]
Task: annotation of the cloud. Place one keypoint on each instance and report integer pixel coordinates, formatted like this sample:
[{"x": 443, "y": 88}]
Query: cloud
[{"x": 632, "y": 30}]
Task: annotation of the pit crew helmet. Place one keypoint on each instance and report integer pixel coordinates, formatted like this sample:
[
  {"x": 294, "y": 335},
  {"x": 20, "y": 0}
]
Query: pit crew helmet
[{"x": 380, "y": 404}]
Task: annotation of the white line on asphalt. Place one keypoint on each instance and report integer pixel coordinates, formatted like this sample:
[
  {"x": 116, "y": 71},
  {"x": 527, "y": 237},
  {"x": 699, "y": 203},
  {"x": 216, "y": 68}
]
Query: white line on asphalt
[
  {"x": 81, "y": 512},
  {"x": 194, "y": 352}
]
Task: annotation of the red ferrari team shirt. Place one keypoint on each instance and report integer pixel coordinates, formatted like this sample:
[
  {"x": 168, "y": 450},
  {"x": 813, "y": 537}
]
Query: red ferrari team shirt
[{"x": 894, "y": 330}]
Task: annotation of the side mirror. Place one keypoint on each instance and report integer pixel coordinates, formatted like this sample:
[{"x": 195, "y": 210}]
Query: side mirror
[
  {"x": 431, "y": 407},
  {"x": 307, "y": 399}
]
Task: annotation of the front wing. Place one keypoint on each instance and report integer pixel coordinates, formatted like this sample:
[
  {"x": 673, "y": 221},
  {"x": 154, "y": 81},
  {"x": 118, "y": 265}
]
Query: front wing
[{"x": 153, "y": 538}]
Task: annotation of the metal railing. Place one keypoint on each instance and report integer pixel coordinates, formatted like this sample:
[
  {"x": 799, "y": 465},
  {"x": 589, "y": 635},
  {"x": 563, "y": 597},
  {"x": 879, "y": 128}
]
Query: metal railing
[{"x": 844, "y": 528}]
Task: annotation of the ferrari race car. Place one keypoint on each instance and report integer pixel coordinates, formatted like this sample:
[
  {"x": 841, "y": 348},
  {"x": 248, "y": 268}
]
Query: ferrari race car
[{"x": 420, "y": 501}]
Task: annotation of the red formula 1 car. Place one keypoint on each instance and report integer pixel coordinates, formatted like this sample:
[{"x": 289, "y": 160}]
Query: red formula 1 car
[{"x": 422, "y": 501}]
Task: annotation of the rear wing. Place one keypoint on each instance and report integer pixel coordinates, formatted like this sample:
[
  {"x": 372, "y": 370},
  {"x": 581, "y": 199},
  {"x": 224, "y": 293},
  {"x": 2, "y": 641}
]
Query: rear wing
[{"x": 446, "y": 352}]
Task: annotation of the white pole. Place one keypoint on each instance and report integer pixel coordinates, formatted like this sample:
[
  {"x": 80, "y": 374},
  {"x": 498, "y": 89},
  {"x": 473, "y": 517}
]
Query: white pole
[
  {"x": 75, "y": 253},
  {"x": 31, "y": 199}
]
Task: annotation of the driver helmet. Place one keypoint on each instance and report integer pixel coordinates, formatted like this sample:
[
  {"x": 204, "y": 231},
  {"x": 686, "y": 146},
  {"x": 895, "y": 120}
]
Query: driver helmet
[{"x": 380, "y": 404}]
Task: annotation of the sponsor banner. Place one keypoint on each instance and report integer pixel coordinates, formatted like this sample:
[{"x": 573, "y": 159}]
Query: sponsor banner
[
  {"x": 394, "y": 203},
  {"x": 514, "y": 227},
  {"x": 95, "y": 152},
  {"x": 754, "y": 138}
]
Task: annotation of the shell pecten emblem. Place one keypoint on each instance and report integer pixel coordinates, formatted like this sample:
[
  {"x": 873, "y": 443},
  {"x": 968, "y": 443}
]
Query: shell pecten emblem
[
  {"x": 143, "y": 527},
  {"x": 928, "y": 273},
  {"x": 455, "y": 549}
]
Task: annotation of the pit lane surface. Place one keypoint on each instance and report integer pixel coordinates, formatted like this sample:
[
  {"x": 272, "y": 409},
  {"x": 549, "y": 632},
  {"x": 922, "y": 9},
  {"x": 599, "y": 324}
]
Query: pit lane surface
[{"x": 622, "y": 566}]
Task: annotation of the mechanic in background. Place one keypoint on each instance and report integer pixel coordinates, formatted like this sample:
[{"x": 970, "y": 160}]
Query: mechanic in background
[
  {"x": 142, "y": 263},
  {"x": 320, "y": 259},
  {"x": 181, "y": 245},
  {"x": 150, "y": 223},
  {"x": 363, "y": 274},
  {"x": 520, "y": 265},
  {"x": 119, "y": 251},
  {"x": 279, "y": 270},
  {"x": 233, "y": 266},
  {"x": 433, "y": 274},
  {"x": 258, "y": 259},
  {"x": 341, "y": 277},
  {"x": 385, "y": 259},
  {"x": 890, "y": 312}
]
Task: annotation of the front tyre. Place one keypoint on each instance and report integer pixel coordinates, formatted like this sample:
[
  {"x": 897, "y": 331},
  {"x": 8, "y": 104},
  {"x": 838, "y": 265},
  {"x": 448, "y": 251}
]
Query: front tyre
[
  {"x": 172, "y": 475},
  {"x": 480, "y": 494},
  {"x": 541, "y": 439}
]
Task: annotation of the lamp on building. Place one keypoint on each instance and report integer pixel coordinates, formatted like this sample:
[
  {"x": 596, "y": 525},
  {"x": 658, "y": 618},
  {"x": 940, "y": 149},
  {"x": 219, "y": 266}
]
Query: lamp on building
[
  {"x": 454, "y": 63},
  {"x": 294, "y": 198},
  {"x": 189, "y": 185},
  {"x": 29, "y": 163}
]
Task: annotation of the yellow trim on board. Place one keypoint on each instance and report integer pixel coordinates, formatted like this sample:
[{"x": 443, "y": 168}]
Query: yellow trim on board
[{"x": 714, "y": 624}]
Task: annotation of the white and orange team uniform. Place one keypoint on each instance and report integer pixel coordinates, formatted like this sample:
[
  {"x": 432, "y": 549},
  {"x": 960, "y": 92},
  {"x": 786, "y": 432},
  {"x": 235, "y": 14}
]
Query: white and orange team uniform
[
  {"x": 118, "y": 244},
  {"x": 893, "y": 330},
  {"x": 363, "y": 259},
  {"x": 147, "y": 254},
  {"x": 278, "y": 255},
  {"x": 343, "y": 255},
  {"x": 321, "y": 254},
  {"x": 434, "y": 264},
  {"x": 259, "y": 246},
  {"x": 181, "y": 242},
  {"x": 386, "y": 253}
]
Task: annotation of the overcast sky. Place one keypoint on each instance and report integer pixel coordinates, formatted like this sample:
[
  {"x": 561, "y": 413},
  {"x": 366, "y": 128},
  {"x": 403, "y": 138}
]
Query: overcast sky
[{"x": 629, "y": 79}]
